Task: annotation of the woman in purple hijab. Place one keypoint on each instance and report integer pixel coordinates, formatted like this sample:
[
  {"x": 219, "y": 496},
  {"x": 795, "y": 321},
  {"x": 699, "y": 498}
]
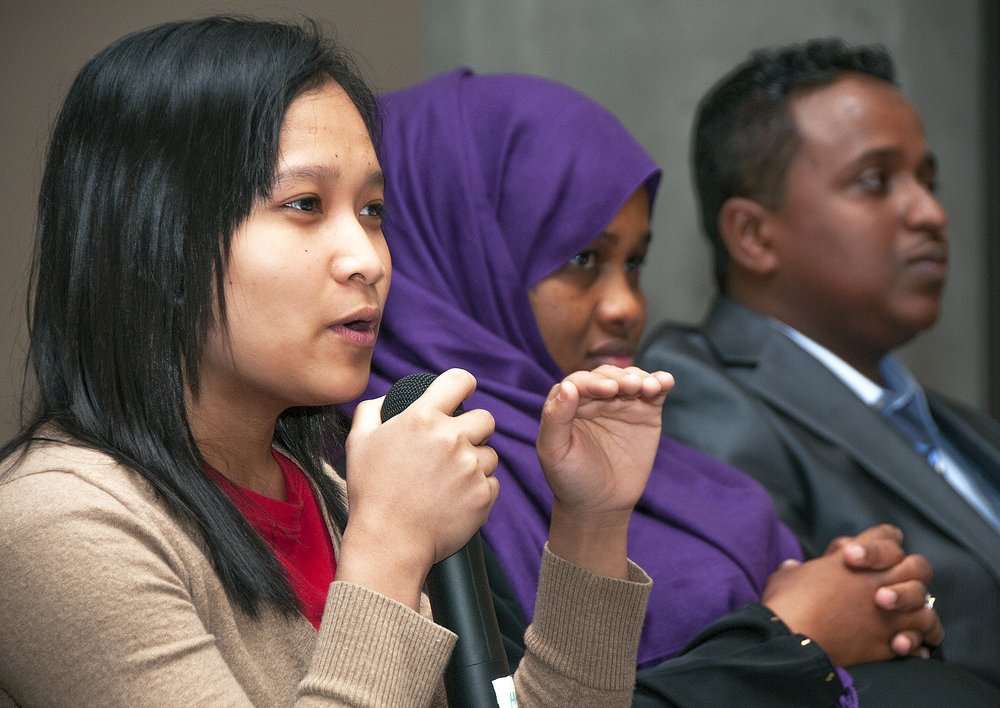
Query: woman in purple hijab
[{"x": 494, "y": 183}]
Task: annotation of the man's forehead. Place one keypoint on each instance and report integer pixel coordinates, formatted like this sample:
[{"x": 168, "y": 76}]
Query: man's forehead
[
  {"x": 852, "y": 97},
  {"x": 855, "y": 108}
]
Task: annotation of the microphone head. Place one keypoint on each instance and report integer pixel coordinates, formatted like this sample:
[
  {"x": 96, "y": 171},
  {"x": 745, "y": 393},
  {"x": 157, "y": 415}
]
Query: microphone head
[{"x": 406, "y": 391}]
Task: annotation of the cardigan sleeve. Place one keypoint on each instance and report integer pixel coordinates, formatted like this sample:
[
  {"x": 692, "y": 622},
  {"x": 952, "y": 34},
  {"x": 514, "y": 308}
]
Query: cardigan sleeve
[
  {"x": 580, "y": 650},
  {"x": 581, "y": 647},
  {"x": 374, "y": 651}
]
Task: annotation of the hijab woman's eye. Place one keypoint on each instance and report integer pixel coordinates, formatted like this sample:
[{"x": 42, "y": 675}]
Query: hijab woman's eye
[
  {"x": 587, "y": 259},
  {"x": 635, "y": 263}
]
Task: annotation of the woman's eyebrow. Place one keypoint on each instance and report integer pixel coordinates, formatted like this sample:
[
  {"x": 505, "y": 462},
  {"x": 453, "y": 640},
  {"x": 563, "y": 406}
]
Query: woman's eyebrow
[
  {"x": 323, "y": 173},
  {"x": 307, "y": 172}
]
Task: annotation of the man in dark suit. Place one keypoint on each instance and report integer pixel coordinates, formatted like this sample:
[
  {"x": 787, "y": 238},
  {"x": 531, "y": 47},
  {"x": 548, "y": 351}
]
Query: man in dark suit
[{"x": 816, "y": 187}]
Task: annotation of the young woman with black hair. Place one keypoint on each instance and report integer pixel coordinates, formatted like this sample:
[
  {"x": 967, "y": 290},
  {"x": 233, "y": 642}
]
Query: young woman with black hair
[{"x": 209, "y": 278}]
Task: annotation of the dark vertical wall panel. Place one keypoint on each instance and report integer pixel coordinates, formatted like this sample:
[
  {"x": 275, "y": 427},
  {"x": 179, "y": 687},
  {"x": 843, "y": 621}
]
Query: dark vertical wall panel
[{"x": 991, "y": 136}]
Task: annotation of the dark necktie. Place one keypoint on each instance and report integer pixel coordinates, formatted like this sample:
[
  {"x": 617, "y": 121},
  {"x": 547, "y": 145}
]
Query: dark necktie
[{"x": 914, "y": 428}]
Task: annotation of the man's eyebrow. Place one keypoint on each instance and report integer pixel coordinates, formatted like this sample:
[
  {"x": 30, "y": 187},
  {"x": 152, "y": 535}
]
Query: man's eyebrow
[{"x": 928, "y": 161}]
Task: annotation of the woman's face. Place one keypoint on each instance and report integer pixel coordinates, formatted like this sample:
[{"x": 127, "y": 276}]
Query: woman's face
[
  {"x": 309, "y": 269},
  {"x": 592, "y": 310}
]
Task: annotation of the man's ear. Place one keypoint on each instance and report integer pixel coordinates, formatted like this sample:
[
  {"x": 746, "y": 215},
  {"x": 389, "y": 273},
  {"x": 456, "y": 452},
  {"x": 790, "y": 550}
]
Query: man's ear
[{"x": 745, "y": 227}]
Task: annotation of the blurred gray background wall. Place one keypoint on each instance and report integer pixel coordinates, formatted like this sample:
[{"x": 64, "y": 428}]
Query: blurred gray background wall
[{"x": 649, "y": 61}]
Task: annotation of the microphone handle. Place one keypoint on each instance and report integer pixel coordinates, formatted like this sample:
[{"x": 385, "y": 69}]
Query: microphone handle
[{"x": 459, "y": 593}]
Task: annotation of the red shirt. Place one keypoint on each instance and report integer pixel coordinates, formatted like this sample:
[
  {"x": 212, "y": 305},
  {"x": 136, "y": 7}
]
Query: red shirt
[{"x": 295, "y": 530}]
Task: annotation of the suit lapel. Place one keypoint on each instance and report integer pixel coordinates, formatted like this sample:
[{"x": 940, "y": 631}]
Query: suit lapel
[
  {"x": 800, "y": 387},
  {"x": 982, "y": 444}
]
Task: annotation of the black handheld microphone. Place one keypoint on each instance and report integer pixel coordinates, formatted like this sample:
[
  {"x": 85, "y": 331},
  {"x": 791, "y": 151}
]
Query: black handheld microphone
[{"x": 459, "y": 591}]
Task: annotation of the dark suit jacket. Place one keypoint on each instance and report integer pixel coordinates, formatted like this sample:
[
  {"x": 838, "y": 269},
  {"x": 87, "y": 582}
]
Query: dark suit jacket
[{"x": 749, "y": 395}]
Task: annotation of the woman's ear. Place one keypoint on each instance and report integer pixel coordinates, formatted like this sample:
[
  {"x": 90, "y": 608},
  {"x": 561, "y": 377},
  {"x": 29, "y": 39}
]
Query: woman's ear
[{"x": 745, "y": 227}]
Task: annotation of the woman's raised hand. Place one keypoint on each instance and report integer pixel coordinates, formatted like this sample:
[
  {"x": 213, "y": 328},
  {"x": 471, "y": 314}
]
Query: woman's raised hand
[
  {"x": 418, "y": 485},
  {"x": 597, "y": 438}
]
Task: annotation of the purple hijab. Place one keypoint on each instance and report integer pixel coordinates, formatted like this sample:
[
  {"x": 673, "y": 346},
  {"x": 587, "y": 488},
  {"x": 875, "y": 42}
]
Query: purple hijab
[{"x": 494, "y": 182}]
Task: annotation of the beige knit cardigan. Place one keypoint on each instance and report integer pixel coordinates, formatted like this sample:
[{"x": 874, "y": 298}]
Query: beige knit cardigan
[{"x": 106, "y": 599}]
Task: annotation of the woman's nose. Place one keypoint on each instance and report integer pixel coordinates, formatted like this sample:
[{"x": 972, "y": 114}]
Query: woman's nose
[
  {"x": 358, "y": 256},
  {"x": 623, "y": 304}
]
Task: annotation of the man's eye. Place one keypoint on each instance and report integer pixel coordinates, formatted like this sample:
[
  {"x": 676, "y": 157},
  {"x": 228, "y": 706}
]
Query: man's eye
[
  {"x": 873, "y": 181},
  {"x": 308, "y": 204},
  {"x": 587, "y": 259},
  {"x": 375, "y": 209}
]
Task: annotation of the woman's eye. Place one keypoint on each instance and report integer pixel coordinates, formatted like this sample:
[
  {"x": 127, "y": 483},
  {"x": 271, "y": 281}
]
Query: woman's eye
[
  {"x": 634, "y": 264},
  {"x": 587, "y": 259},
  {"x": 308, "y": 204},
  {"x": 375, "y": 209}
]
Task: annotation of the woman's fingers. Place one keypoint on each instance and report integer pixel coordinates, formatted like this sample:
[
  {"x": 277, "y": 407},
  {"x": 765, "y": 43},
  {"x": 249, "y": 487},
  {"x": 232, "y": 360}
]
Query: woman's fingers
[{"x": 608, "y": 381}]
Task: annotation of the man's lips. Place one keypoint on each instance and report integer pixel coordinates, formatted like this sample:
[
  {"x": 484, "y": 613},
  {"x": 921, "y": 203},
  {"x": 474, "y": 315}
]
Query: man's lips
[
  {"x": 932, "y": 261},
  {"x": 936, "y": 254}
]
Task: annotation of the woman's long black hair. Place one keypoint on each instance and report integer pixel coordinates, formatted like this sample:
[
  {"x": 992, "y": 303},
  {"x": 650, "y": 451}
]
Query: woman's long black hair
[{"x": 164, "y": 143}]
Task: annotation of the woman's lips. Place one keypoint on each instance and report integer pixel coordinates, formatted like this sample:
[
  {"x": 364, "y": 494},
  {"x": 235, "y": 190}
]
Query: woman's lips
[
  {"x": 620, "y": 358},
  {"x": 360, "y": 333}
]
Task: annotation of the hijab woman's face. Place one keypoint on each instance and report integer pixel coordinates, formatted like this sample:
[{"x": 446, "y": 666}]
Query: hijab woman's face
[
  {"x": 592, "y": 311},
  {"x": 309, "y": 270}
]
